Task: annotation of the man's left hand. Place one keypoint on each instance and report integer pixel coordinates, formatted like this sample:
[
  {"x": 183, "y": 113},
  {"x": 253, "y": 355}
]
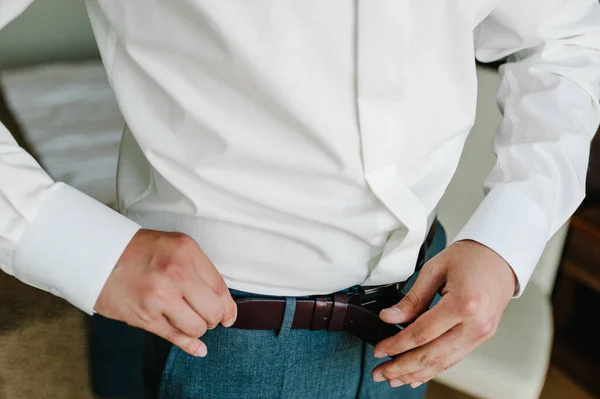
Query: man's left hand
[{"x": 476, "y": 285}]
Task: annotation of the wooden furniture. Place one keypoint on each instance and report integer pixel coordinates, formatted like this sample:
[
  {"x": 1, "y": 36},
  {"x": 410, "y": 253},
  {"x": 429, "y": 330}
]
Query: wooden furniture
[{"x": 576, "y": 296}]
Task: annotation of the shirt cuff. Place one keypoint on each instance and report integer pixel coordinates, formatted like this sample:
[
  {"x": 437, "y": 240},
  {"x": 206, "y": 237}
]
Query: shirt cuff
[
  {"x": 512, "y": 225},
  {"x": 71, "y": 246}
]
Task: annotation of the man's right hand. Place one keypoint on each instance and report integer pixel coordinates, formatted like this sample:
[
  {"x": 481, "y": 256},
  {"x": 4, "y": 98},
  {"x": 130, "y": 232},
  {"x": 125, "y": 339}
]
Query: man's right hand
[{"x": 163, "y": 283}]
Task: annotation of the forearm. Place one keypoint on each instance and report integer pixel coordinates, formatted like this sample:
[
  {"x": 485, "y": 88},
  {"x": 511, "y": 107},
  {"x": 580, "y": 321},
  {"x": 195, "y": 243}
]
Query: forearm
[{"x": 549, "y": 96}]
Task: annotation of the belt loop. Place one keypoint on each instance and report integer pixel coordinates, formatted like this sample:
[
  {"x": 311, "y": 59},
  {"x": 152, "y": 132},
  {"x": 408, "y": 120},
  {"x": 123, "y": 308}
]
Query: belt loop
[
  {"x": 338, "y": 314},
  {"x": 288, "y": 316},
  {"x": 321, "y": 314}
]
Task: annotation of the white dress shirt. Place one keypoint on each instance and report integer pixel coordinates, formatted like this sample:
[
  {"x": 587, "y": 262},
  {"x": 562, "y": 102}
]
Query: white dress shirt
[{"x": 305, "y": 145}]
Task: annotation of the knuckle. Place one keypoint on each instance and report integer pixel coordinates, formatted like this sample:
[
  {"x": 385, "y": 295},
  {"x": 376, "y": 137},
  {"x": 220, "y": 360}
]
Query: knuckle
[
  {"x": 183, "y": 242},
  {"x": 443, "y": 366},
  {"x": 219, "y": 287},
  {"x": 198, "y": 330},
  {"x": 172, "y": 269},
  {"x": 152, "y": 297},
  {"x": 231, "y": 307},
  {"x": 173, "y": 336},
  {"x": 470, "y": 306},
  {"x": 152, "y": 286},
  {"x": 419, "y": 338},
  {"x": 215, "y": 316},
  {"x": 189, "y": 346},
  {"x": 389, "y": 373},
  {"x": 396, "y": 369},
  {"x": 432, "y": 269},
  {"x": 147, "y": 305},
  {"x": 147, "y": 316},
  {"x": 143, "y": 318},
  {"x": 410, "y": 301},
  {"x": 485, "y": 328},
  {"x": 389, "y": 370},
  {"x": 170, "y": 266},
  {"x": 429, "y": 360},
  {"x": 154, "y": 293}
]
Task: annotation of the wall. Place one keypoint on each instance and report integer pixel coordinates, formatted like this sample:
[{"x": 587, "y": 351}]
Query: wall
[
  {"x": 49, "y": 30},
  {"x": 465, "y": 191}
]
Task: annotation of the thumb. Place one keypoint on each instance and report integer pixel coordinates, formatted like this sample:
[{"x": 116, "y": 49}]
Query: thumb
[{"x": 415, "y": 302}]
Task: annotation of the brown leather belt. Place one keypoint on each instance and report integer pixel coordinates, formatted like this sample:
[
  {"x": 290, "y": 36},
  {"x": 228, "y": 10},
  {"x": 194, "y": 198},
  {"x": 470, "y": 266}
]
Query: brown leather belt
[{"x": 356, "y": 313}]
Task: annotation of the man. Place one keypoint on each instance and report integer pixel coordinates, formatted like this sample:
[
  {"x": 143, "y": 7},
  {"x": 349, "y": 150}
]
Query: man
[{"x": 297, "y": 150}]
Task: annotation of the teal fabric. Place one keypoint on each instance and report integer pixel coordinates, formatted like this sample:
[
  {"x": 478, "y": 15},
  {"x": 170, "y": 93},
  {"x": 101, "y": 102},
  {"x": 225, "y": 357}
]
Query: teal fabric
[
  {"x": 273, "y": 364},
  {"x": 115, "y": 353},
  {"x": 264, "y": 364}
]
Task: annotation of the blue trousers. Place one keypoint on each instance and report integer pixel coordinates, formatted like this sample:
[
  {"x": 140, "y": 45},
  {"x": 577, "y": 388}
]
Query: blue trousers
[{"x": 272, "y": 364}]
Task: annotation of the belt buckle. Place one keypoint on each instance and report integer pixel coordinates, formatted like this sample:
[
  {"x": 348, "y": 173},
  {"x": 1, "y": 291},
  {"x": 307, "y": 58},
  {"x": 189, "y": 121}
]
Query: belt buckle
[{"x": 372, "y": 290}]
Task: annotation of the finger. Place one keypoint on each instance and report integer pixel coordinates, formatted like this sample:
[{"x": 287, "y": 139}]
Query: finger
[
  {"x": 417, "y": 299},
  {"x": 421, "y": 377},
  {"x": 429, "y": 326},
  {"x": 229, "y": 309},
  {"x": 396, "y": 383},
  {"x": 209, "y": 274},
  {"x": 230, "y": 314},
  {"x": 417, "y": 379},
  {"x": 435, "y": 355},
  {"x": 181, "y": 316},
  {"x": 204, "y": 301},
  {"x": 191, "y": 345}
]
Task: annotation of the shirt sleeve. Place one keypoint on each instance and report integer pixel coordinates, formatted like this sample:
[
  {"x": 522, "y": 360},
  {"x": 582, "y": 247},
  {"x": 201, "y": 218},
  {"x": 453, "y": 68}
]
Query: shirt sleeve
[
  {"x": 52, "y": 236},
  {"x": 549, "y": 97}
]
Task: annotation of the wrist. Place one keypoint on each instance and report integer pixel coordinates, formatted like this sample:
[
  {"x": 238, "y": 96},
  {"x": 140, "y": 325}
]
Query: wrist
[{"x": 491, "y": 258}]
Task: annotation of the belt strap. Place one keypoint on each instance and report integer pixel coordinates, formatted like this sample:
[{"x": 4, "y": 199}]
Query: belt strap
[{"x": 362, "y": 322}]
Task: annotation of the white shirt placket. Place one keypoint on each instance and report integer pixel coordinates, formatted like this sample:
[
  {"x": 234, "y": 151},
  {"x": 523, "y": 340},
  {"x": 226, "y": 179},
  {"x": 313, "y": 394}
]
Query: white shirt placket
[{"x": 383, "y": 37}]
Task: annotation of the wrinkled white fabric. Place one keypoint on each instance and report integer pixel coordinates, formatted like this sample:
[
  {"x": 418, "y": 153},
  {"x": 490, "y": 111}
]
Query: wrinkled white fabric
[{"x": 295, "y": 141}]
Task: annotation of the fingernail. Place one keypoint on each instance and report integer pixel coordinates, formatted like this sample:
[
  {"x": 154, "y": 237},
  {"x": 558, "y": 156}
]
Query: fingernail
[
  {"x": 202, "y": 351},
  {"x": 378, "y": 377},
  {"x": 392, "y": 313},
  {"x": 229, "y": 322},
  {"x": 415, "y": 385},
  {"x": 396, "y": 383},
  {"x": 379, "y": 354}
]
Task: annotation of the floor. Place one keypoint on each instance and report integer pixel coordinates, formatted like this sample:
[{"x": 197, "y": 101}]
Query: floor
[
  {"x": 43, "y": 351},
  {"x": 558, "y": 386}
]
